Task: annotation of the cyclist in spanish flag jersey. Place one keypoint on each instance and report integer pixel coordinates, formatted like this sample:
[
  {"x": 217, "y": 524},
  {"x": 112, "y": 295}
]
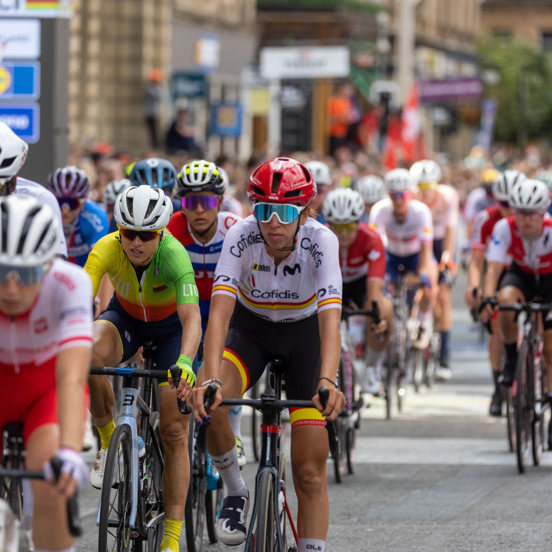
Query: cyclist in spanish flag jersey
[
  {"x": 277, "y": 292},
  {"x": 46, "y": 329},
  {"x": 362, "y": 262},
  {"x": 155, "y": 298},
  {"x": 201, "y": 228}
]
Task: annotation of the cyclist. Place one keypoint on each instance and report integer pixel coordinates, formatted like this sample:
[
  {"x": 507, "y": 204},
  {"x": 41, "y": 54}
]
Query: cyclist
[
  {"x": 444, "y": 205},
  {"x": 155, "y": 298},
  {"x": 13, "y": 153},
  {"x": 362, "y": 261},
  {"x": 201, "y": 228},
  {"x": 323, "y": 179},
  {"x": 406, "y": 227},
  {"x": 46, "y": 309},
  {"x": 84, "y": 221},
  {"x": 479, "y": 199},
  {"x": 372, "y": 190},
  {"x": 111, "y": 192},
  {"x": 156, "y": 173},
  {"x": 482, "y": 230},
  {"x": 527, "y": 238},
  {"x": 277, "y": 291}
]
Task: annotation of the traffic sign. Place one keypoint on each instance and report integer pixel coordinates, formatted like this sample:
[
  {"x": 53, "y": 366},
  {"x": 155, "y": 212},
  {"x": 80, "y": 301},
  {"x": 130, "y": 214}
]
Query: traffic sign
[
  {"x": 24, "y": 120},
  {"x": 20, "y": 81}
]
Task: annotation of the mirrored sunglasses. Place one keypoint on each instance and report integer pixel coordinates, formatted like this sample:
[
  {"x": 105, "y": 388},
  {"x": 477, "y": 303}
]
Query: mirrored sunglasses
[
  {"x": 206, "y": 201},
  {"x": 399, "y": 195},
  {"x": 144, "y": 235},
  {"x": 347, "y": 227},
  {"x": 71, "y": 202},
  {"x": 528, "y": 213},
  {"x": 285, "y": 213},
  {"x": 25, "y": 275}
]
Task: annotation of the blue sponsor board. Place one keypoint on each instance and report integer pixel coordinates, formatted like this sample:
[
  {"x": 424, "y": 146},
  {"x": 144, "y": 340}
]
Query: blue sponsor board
[
  {"x": 226, "y": 119},
  {"x": 24, "y": 119},
  {"x": 19, "y": 81}
]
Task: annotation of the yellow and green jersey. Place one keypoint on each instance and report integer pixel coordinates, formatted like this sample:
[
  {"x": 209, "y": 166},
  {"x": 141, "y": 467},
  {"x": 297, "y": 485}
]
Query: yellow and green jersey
[{"x": 168, "y": 280}]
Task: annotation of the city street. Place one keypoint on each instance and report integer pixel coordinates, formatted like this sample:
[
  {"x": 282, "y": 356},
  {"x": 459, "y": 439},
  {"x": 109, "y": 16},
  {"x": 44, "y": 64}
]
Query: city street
[{"x": 438, "y": 477}]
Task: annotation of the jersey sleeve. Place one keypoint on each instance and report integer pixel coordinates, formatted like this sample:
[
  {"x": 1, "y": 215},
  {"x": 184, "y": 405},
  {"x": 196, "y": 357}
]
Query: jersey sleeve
[
  {"x": 177, "y": 269},
  {"x": 103, "y": 258},
  {"x": 500, "y": 242},
  {"x": 48, "y": 197},
  {"x": 328, "y": 273},
  {"x": 477, "y": 241},
  {"x": 229, "y": 266},
  {"x": 376, "y": 258},
  {"x": 426, "y": 224}
]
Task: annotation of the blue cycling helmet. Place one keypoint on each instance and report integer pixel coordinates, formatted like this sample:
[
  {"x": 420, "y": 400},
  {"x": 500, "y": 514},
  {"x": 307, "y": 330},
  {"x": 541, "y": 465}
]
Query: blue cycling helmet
[{"x": 154, "y": 172}]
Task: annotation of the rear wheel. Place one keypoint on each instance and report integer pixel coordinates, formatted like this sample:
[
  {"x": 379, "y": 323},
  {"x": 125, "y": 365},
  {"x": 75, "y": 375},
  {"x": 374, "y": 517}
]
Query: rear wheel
[{"x": 115, "y": 502}]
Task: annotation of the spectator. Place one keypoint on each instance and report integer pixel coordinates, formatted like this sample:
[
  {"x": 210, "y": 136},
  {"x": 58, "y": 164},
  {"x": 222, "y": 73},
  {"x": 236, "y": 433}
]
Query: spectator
[
  {"x": 154, "y": 100},
  {"x": 180, "y": 136}
]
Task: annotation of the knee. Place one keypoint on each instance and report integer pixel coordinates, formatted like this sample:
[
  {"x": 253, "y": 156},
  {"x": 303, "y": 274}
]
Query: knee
[
  {"x": 309, "y": 479},
  {"x": 174, "y": 433}
]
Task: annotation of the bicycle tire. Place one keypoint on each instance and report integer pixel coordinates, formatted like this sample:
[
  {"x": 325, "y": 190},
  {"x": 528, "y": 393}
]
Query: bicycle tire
[
  {"x": 350, "y": 441},
  {"x": 115, "y": 501},
  {"x": 195, "y": 510},
  {"x": 213, "y": 501},
  {"x": 265, "y": 531},
  {"x": 341, "y": 427},
  {"x": 511, "y": 418},
  {"x": 523, "y": 407},
  {"x": 537, "y": 427},
  {"x": 417, "y": 364}
]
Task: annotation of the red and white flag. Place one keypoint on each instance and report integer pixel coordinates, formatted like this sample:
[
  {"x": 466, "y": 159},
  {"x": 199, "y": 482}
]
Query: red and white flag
[{"x": 411, "y": 131}]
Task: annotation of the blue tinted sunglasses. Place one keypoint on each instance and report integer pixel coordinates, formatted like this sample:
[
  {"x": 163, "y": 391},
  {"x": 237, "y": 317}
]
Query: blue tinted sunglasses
[
  {"x": 25, "y": 275},
  {"x": 285, "y": 213}
]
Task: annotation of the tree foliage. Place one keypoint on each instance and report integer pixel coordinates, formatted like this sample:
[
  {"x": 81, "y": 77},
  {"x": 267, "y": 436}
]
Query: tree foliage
[{"x": 523, "y": 92}]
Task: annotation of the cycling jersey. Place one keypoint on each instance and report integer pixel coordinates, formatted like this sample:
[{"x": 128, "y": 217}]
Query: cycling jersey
[
  {"x": 167, "y": 281},
  {"x": 444, "y": 210},
  {"x": 402, "y": 239},
  {"x": 477, "y": 200},
  {"x": 24, "y": 186},
  {"x": 60, "y": 318},
  {"x": 532, "y": 257},
  {"x": 204, "y": 257},
  {"x": 365, "y": 258},
  {"x": 483, "y": 225},
  {"x": 309, "y": 280},
  {"x": 91, "y": 225}
]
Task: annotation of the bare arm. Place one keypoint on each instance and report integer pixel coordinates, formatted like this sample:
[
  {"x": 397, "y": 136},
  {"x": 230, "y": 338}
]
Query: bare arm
[{"x": 190, "y": 319}]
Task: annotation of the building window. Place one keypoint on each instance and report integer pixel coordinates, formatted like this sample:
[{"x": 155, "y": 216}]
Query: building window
[{"x": 546, "y": 40}]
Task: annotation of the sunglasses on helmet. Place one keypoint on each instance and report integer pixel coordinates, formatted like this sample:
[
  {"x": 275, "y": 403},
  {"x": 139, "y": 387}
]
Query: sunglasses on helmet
[
  {"x": 144, "y": 235},
  {"x": 25, "y": 275},
  {"x": 206, "y": 201},
  {"x": 285, "y": 213}
]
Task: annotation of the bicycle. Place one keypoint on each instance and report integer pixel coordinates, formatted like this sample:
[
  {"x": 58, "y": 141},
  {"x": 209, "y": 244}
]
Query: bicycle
[
  {"x": 270, "y": 512},
  {"x": 348, "y": 420},
  {"x": 131, "y": 510},
  {"x": 528, "y": 394},
  {"x": 12, "y": 472}
]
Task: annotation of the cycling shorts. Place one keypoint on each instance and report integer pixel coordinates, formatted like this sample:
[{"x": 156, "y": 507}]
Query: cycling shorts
[
  {"x": 252, "y": 341},
  {"x": 410, "y": 264},
  {"x": 166, "y": 334},
  {"x": 354, "y": 292},
  {"x": 530, "y": 286},
  {"x": 29, "y": 397}
]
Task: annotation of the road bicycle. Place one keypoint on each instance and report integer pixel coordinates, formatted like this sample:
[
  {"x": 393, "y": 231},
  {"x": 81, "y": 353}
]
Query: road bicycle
[
  {"x": 528, "y": 394},
  {"x": 131, "y": 514},
  {"x": 348, "y": 421},
  {"x": 12, "y": 472},
  {"x": 267, "y": 531}
]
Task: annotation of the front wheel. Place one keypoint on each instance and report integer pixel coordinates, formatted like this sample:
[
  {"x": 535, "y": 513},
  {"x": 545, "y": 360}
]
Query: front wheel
[
  {"x": 523, "y": 406},
  {"x": 115, "y": 501},
  {"x": 511, "y": 417}
]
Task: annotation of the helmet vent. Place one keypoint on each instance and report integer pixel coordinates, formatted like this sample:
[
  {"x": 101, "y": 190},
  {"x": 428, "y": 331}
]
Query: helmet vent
[
  {"x": 293, "y": 193},
  {"x": 151, "y": 207},
  {"x": 276, "y": 178},
  {"x": 257, "y": 190},
  {"x": 7, "y": 162},
  {"x": 25, "y": 230}
]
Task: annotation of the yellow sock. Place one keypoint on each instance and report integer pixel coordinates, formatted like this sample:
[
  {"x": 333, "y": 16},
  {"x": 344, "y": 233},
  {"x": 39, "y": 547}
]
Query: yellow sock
[
  {"x": 171, "y": 536},
  {"x": 106, "y": 432}
]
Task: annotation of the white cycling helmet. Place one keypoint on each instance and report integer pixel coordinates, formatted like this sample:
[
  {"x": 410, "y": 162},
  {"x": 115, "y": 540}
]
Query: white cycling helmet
[
  {"x": 13, "y": 152},
  {"x": 143, "y": 208},
  {"x": 504, "y": 184},
  {"x": 200, "y": 176},
  {"x": 426, "y": 171},
  {"x": 114, "y": 189},
  {"x": 530, "y": 194},
  {"x": 371, "y": 188},
  {"x": 343, "y": 205},
  {"x": 29, "y": 233},
  {"x": 399, "y": 180},
  {"x": 320, "y": 172}
]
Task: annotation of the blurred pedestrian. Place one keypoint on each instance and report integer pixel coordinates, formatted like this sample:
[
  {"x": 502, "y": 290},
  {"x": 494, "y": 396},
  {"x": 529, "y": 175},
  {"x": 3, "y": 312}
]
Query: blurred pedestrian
[{"x": 153, "y": 106}]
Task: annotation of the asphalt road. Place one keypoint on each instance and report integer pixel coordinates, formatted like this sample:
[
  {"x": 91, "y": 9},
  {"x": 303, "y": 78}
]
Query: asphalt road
[{"x": 437, "y": 477}]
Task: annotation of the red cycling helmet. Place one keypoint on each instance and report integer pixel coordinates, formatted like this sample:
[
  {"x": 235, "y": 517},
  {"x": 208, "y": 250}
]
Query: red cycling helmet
[{"x": 282, "y": 180}]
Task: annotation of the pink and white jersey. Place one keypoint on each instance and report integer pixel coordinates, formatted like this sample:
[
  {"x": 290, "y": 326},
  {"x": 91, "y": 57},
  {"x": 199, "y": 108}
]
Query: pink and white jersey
[
  {"x": 534, "y": 257},
  {"x": 308, "y": 281},
  {"x": 60, "y": 318},
  {"x": 444, "y": 210},
  {"x": 402, "y": 238}
]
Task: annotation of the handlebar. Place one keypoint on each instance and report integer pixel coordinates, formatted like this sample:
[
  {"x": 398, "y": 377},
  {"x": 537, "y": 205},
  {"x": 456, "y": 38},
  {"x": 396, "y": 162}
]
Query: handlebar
[{"x": 373, "y": 313}]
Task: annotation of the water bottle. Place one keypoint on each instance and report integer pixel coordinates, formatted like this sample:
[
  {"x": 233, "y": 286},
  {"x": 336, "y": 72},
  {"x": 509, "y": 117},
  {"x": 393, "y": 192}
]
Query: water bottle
[{"x": 141, "y": 447}]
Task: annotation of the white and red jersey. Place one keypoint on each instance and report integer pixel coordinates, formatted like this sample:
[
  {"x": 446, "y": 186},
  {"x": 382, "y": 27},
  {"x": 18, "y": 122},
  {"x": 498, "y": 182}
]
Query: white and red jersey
[
  {"x": 61, "y": 317},
  {"x": 444, "y": 210},
  {"x": 402, "y": 238},
  {"x": 478, "y": 200},
  {"x": 306, "y": 282},
  {"x": 365, "y": 258},
  {"x": 483, "y": 225},
  {"x": 533, "y": 257}
]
